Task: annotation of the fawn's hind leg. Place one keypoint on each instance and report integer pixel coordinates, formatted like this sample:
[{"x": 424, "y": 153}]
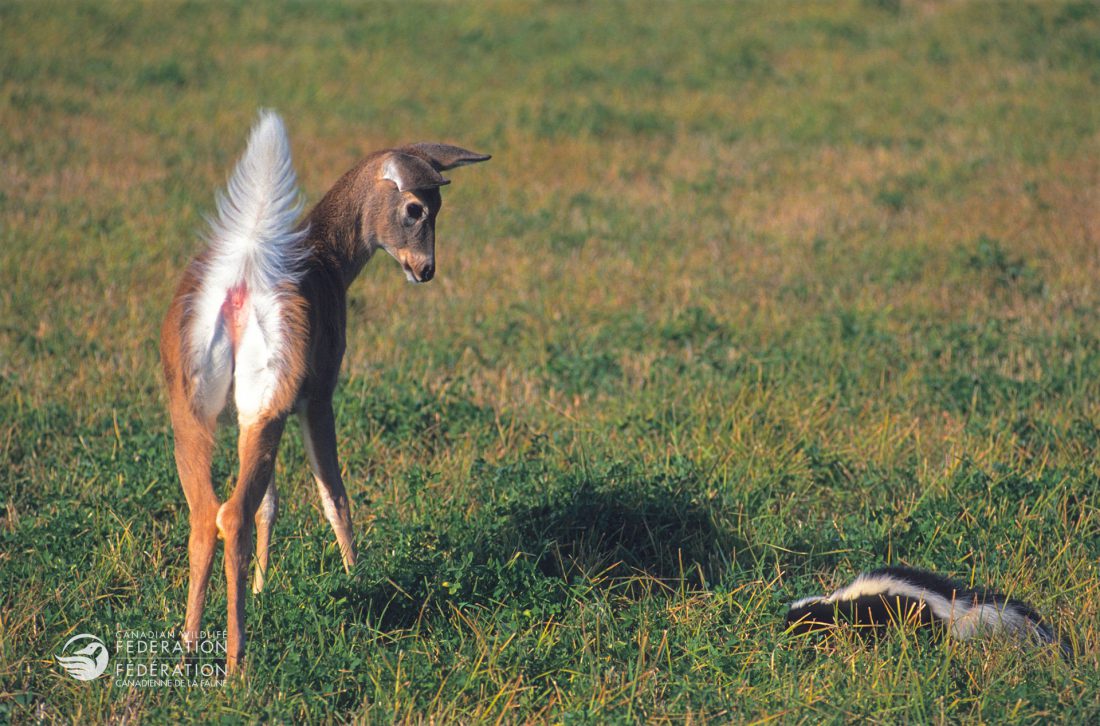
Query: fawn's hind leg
[
  {"x": 194, "y": 450},
  {"x": 258, "y": 444}
]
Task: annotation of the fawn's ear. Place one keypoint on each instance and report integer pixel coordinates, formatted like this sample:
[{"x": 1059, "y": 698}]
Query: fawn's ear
[
  {"x": 410, "y": 172},
  {"x": 444, "y": 156}
]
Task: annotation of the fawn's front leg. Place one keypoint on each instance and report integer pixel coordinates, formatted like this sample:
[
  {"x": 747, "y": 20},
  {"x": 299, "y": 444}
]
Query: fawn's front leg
[
  {"x": 265, "y": 522},
  {"x": 319, "y": 431}
]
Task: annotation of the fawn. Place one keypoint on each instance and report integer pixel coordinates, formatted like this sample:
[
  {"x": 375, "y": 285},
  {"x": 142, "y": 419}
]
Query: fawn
[{"x": 259, "y": 318}]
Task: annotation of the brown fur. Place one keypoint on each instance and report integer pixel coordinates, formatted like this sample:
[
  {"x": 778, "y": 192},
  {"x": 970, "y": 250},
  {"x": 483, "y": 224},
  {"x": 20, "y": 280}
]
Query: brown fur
[{"x": 360, "y": 214}]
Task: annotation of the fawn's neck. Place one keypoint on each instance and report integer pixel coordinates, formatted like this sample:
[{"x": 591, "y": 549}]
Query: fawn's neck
[{"x": 340, "y": 225}]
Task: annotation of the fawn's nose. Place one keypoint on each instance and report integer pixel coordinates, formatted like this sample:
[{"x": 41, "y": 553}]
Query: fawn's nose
[{"x": 427, "y": 272}]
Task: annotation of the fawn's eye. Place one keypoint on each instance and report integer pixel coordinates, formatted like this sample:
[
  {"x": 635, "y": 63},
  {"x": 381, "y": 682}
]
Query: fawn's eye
[{"x": 414, "y": 211}]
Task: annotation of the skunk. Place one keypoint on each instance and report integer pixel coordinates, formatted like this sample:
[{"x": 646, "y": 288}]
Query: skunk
[{"x": 901, "y": 595}]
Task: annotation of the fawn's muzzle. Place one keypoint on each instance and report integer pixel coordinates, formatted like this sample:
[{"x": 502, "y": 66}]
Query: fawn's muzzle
[{"x": 419, "y": 273}]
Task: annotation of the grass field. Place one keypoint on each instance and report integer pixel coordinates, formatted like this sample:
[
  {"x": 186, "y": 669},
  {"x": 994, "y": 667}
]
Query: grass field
[{"x": 751, "y": 297}]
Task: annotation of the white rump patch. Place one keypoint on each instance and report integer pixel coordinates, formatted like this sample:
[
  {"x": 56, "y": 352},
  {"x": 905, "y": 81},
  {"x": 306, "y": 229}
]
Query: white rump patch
[
  {"x": 213, "y": 363},
  {"x": 256, "y": 367}
]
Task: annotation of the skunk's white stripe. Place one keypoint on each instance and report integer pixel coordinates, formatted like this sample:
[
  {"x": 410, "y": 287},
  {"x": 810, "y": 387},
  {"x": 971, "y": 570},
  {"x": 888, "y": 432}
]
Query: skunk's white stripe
[
  {"x": 882, "y": 584},
  {"x": 254, "y": 250},
  {"x": 806, "y": 601}
]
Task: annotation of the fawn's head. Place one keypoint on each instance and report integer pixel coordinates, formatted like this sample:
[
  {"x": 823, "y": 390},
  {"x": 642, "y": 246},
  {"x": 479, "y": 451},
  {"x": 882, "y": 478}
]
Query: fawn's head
[{"x": 409, "y": 201}]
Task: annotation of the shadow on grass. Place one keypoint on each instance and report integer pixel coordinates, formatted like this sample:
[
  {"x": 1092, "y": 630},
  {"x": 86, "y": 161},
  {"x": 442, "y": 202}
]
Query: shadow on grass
[
  {"x": 543, "y": 537},
  {"x": 598, "y": 530}
]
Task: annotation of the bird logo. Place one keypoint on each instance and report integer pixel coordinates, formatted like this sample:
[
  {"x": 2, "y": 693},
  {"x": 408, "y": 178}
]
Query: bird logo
[{"x": 87, "y": 661}]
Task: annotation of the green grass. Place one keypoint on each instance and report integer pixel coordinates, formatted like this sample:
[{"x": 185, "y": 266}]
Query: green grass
[{"x": 751, "y": 297}]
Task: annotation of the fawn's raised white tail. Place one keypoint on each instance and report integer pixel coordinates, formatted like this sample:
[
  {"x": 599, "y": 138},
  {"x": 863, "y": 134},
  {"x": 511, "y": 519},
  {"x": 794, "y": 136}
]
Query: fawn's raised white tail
[
  {"x": 236, "y": 337},
  {"x": 259, "y": 320}
]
